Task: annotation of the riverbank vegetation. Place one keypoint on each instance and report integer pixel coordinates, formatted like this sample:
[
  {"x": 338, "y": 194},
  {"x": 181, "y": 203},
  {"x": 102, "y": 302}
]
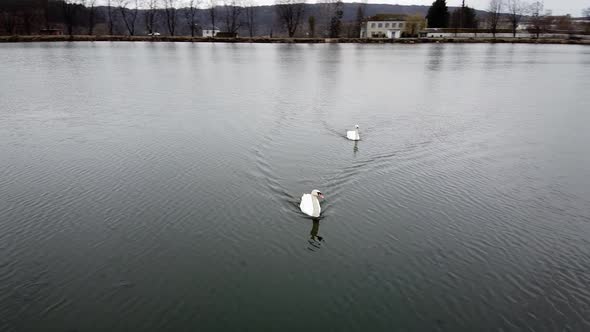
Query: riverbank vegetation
[{"x": 277, "y": 40}]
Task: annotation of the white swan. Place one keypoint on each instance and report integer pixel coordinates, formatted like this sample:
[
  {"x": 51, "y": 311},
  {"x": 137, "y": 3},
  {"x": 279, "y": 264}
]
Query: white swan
[
  {"x": 310, "y": 204},
  {"x": 353, "y": 134}
]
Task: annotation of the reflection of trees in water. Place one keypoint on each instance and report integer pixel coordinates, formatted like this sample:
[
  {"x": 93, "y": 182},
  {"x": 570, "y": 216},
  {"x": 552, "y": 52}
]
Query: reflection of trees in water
[
  {"x": 460, "y": 56},
  {"x": 315, "y": 241},
  {"x": 435, "y": 57}
]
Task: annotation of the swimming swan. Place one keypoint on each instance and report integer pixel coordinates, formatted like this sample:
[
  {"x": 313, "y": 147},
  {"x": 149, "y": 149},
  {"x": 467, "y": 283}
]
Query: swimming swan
[
  {"x": 310, "y": 204},
  {"x": 353, "y": 134}
]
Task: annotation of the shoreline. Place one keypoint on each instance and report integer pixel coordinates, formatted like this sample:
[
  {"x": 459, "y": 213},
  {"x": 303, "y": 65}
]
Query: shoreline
[{"x": 86, "y": 38}]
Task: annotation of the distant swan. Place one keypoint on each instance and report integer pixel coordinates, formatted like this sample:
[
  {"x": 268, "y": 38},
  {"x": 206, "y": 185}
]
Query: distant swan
[
  {"x": 310, "y": 204},
  {"x": 353, "y": 134}
]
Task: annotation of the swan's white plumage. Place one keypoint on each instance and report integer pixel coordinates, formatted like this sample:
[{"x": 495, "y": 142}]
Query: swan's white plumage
[
  {"x": 310, "y": 204},
  {"x": 353, "y": 134}
]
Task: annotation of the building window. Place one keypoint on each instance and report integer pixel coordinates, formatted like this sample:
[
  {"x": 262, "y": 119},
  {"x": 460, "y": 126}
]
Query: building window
[
  {"x": 387, "y": 25},
  {"x": 372, "y": 25},
  {"x": 401, "y": 25},
  {"x": 379, "y": 25}
]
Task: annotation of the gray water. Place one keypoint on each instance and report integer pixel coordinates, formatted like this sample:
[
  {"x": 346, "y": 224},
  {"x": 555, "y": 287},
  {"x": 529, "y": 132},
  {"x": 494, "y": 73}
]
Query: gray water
[{"x": 155, "y": 187}]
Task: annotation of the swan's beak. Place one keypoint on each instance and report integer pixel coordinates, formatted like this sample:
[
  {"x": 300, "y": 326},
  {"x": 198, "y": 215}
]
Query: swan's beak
[{"x": 321, "y": 196}]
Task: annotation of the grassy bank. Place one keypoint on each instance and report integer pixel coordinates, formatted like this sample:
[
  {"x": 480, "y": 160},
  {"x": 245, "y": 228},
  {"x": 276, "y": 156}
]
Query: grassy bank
[{"x": 17, "y": 39}]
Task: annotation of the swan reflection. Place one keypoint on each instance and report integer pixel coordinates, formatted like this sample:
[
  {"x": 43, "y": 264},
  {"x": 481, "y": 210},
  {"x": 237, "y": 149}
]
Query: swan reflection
[{"x": 315, "y": 240}]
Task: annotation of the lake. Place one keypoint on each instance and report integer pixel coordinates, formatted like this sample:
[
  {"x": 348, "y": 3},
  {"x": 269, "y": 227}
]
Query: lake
[{"x": 155, "y": 186}]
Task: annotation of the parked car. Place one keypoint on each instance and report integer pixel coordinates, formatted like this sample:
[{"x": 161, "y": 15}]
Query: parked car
[{"x": 154, "y": 34}]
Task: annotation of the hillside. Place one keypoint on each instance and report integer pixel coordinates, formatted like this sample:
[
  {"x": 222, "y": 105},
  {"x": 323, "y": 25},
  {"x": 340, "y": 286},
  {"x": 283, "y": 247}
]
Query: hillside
[{"x": 265, "y": 23}]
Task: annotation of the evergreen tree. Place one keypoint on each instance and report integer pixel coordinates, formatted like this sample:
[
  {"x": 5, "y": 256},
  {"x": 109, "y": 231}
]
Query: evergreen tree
[
  {"x": 438, "y": 14},
  {"x": 311, "y": 24},
  {"x": 464, "y": 18},
  {"x": 336, "y": 20},
  {"x": 360, "y": 16}
]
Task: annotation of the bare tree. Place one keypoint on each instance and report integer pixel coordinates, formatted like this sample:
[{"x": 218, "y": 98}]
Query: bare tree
[
  {"x": 326, "y": 15},
  {"x": 516, "y": 9},
  {"x": 8, "y": 17},
  {"x": 70, "y": 10},
  {"x": 250, "y": 11},
  {"x": 233, "y": 12},
  {"x": 46, "y": 14},
  {"x": 290, "y": 13},
  {"x": 212, "y": 12},
  {"x": 18, "y": 16},
  {"x": 537, "y": 19},
  {"x": 129, "y": 15},
  {"x": 91, "y": 16},
  {"x": 494, "y": 15},
  {"x": 414, "y": 24},
  {"x": 150, "y": 16},
  {"x": 190, "y": 14},
  {"x": 349, "y": 30},
  {"x": 336, "y": 19},
  {"x": 586, "y": 12},
  {"x": 111, "y": 16},
  {"x": 28, "y": 16},
  {"x": 360, "y": 16},
  {"x": 171, "y": 15}
]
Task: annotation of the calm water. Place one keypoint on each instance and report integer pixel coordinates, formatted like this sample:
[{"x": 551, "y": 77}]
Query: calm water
[{"x": 153, "y": 187}]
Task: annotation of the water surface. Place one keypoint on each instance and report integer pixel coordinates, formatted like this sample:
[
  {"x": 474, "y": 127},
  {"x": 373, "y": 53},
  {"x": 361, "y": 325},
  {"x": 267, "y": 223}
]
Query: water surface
[{"x": 154, "y": 186}]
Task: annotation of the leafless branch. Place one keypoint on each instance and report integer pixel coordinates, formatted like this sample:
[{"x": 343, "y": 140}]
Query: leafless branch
[
  {"x": 494, "y": 15},
  {"x": 290, "y": 14}
]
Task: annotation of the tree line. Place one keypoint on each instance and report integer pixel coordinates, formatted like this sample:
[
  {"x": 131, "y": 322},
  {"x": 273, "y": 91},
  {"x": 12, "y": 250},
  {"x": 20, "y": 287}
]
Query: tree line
[
  {"x": 116, "y": 17},
  {"x": 501, "y": 15},
  {"x": 292, "y": 18},
  {"x": 178, "y": 17}
]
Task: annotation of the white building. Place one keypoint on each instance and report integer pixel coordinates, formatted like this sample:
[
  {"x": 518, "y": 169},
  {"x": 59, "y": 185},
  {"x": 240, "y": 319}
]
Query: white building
[
  {"x": 211, "y": 32},
  {"x": 383, "y": 26}
]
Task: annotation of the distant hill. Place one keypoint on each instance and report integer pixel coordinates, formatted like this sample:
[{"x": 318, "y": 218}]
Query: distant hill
[{"x": 266, "y": 21}]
